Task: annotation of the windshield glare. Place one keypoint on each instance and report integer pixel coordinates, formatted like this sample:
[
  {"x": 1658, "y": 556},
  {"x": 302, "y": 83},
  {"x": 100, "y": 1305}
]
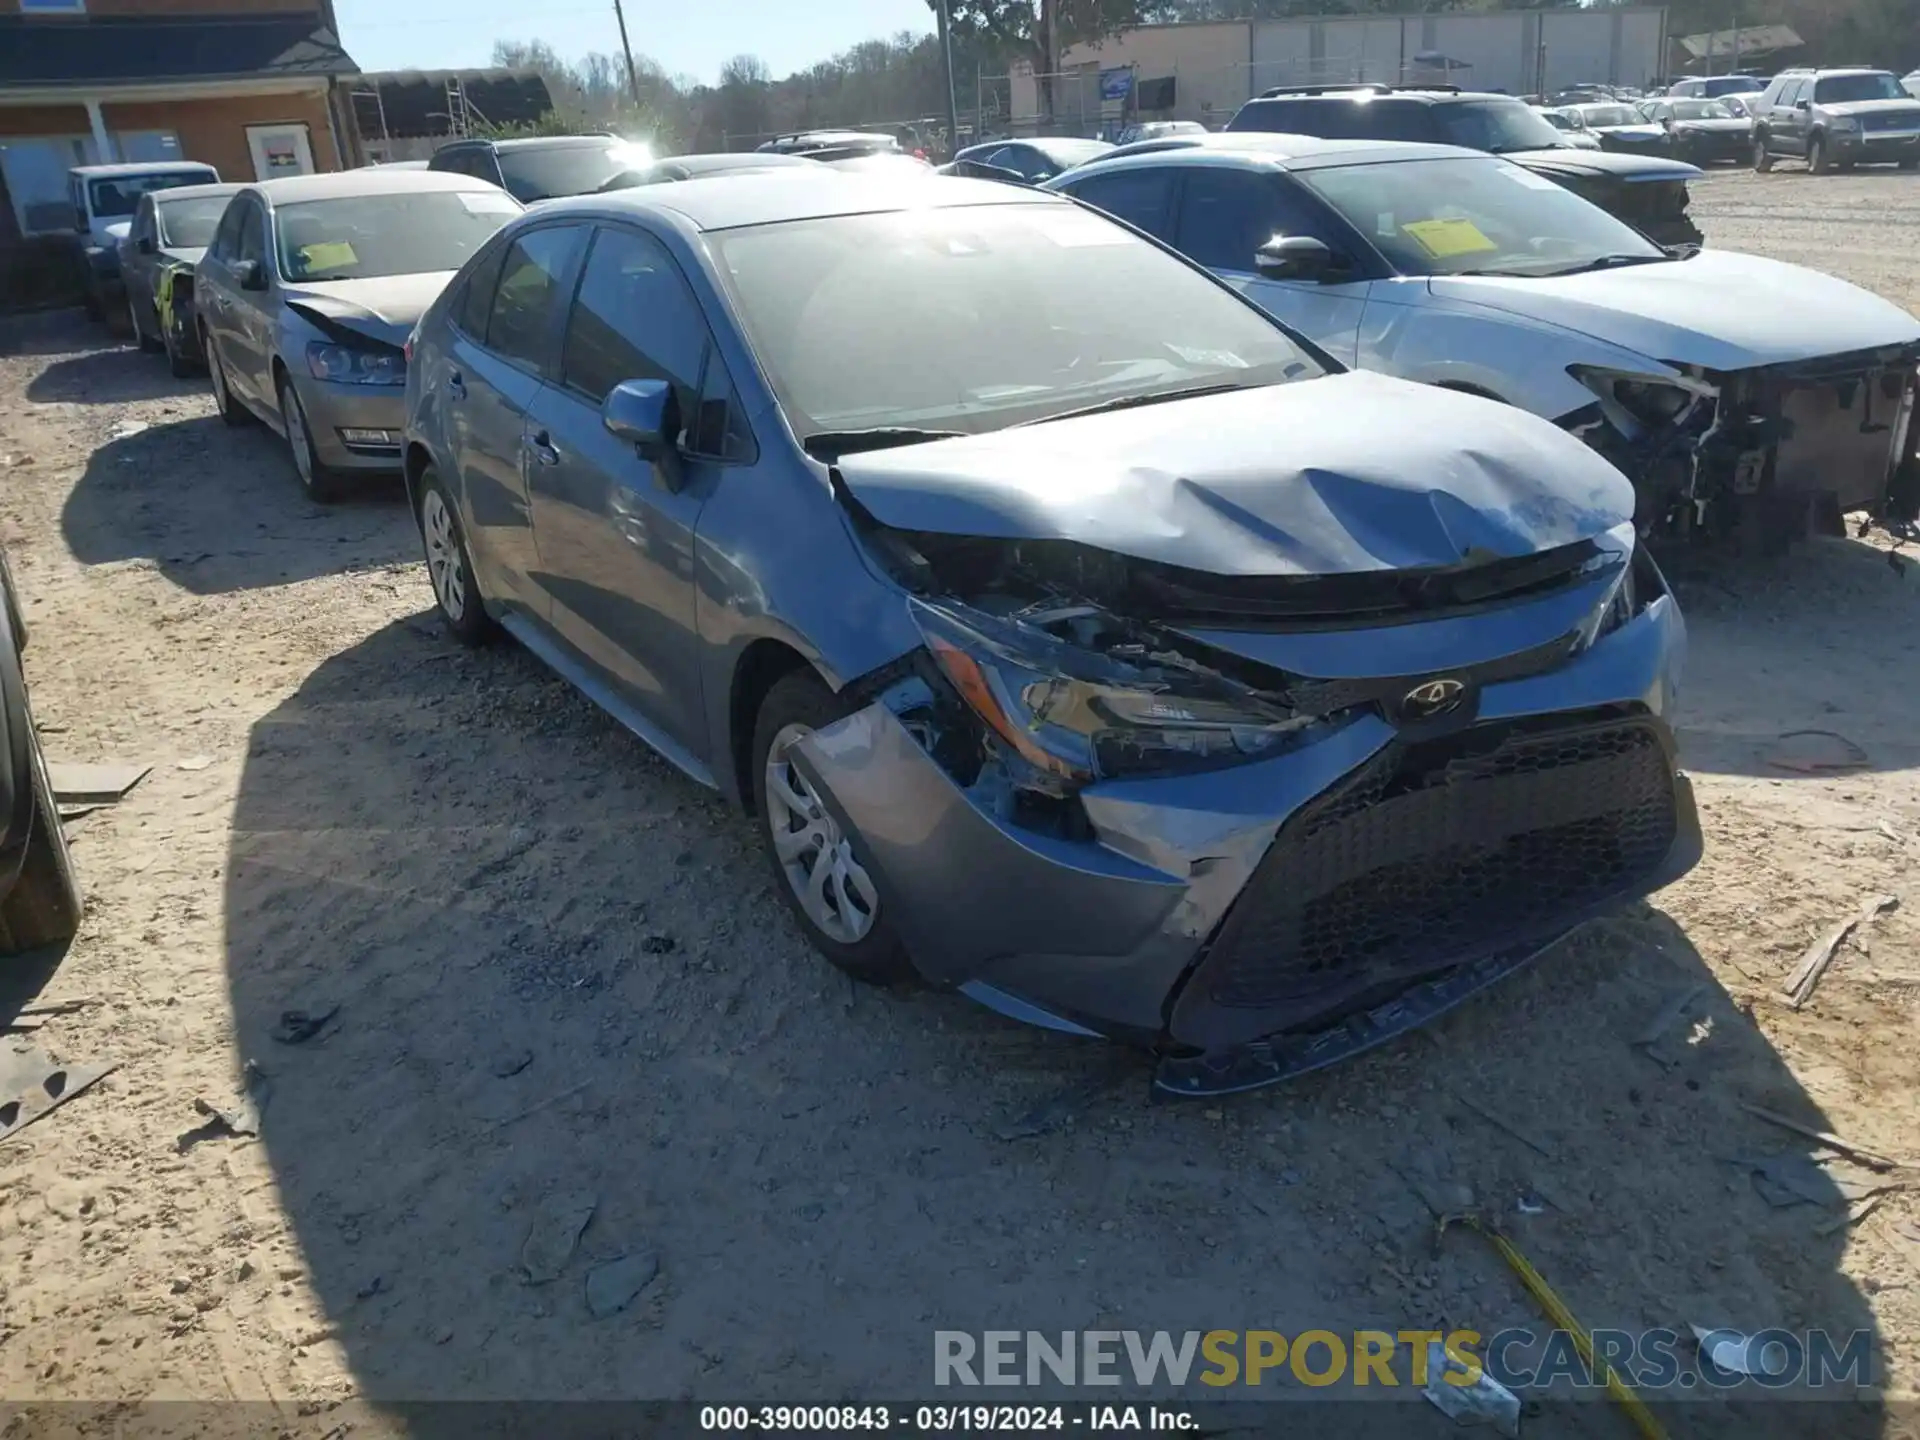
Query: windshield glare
[
  {"x": 363, "y": 236},
  {"x": 1603, "y": 115},
  {"x": 568, "y": 170},
  {"x": 1497, "y": 126},
  {"x": 975, "y": 318},
  {"x": 1701, "y": 110},
  {"x": 189, "y": 224},
  {"x": 1451, "y": 217},
  {"x": 120, "y": 195},
  {"x": 1845, "y": 89}
]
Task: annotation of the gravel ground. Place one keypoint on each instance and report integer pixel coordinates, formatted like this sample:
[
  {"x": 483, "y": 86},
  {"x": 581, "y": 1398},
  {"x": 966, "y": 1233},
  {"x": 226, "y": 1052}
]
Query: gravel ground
[{"x": 562, "y": 977}]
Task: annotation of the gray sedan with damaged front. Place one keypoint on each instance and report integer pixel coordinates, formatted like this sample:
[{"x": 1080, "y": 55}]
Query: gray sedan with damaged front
[
  {"x": 306, "y": 295},
  {"x": 1128, "y": 667}
]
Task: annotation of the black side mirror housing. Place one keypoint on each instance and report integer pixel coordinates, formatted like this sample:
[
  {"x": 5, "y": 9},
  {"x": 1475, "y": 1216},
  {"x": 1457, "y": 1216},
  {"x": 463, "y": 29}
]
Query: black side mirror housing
[
  {"x": 1295, "y": 257},
  {"x": 646, "y": 414},
  {"x": 250, "y": 274}
]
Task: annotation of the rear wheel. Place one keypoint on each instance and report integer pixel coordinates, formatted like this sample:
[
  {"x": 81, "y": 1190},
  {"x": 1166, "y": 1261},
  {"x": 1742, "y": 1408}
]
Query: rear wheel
[
  {"x": 180, "y": 362},
  {"x": 823, "y": 879},
  {"x": 230, "y": 409},
  {"x": 322, "y": 483},
  {"x": 45, "y": 905},
  {"x": 450, "y": 565},
  {"x": 1762, "y": 156}
]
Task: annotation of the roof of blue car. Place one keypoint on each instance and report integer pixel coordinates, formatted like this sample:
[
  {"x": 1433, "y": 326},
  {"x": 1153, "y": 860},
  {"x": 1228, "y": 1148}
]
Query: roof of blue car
[
  {"x": 727, "y": 202},
  {"x": 1292, "y": 152}
]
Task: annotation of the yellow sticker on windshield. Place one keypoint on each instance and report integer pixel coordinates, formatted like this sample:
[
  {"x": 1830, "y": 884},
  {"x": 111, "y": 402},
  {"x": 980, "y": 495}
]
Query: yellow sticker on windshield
[
  {"x": 1444, "y": 239},
  {"x": 329, "y": 255}
]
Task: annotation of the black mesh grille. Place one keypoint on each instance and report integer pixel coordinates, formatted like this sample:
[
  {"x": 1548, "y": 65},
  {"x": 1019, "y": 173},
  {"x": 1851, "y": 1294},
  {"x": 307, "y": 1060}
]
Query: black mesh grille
[{"x": 1439, "y": 852}]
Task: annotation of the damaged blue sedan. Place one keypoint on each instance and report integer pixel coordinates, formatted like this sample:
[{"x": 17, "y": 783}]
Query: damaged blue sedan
[{"x": 1082, "y": 639}]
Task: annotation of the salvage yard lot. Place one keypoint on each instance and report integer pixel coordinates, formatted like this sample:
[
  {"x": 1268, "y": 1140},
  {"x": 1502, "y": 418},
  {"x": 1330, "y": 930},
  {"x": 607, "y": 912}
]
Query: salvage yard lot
[{"x": 561, "y": 970}]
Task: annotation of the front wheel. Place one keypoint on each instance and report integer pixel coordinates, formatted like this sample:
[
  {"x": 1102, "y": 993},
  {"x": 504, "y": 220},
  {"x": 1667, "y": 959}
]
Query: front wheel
[
  {"x": 322, "y": 483},
  {"x": 225, "y": 403},
  {"x": 1762, "y": 156},
  {"x": 45, "y": 905},
  {"x": 140, "y": 337},
  {"x": 450, "y": 565},
  {"x": 823, "y": 879},
  {"x": 1817, "y": 160}
]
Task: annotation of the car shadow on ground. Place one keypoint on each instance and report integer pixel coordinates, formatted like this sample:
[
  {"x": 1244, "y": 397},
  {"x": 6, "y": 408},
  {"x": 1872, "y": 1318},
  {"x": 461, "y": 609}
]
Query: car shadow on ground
[
  {"x": 253, "y": 527},
  {"x": 113, "y": 374},
  {"x": 1822, "y": 639},
  {"x": 565, "y": 984}
]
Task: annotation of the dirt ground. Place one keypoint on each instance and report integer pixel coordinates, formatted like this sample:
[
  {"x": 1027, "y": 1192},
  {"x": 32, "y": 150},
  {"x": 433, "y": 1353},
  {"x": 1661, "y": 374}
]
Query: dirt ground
[{"x": 561, "y": 972}]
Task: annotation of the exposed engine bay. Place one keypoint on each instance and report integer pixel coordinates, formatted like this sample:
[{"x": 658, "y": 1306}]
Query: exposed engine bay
[{"x": 1762, "y": 457}]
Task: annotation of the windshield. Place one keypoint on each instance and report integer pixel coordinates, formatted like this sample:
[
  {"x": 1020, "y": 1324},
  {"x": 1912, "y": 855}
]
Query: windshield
[
  {"x": 974, "y": 318},
  {"x": 363, "y": 236},
  {"x": 1068, "y": 153},
  {"x": 544, "y": 174},
  {"x": 1496, "y": 125},
  {"x": 1602, "y": 115},
  {"x": 189, "y": 224},
  {"x": 1733, "y": 85},
  {"x": 1845, "y": 89},
  {"x": 1557, "y": 120},
  {"x": 120, "y": 195},
  {"x": 1452, "y": 217},
  {"x": 1701, "y": 110}
]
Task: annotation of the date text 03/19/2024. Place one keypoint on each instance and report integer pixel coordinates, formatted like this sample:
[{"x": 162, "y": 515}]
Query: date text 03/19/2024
[{"x": 941, "y": 1419}]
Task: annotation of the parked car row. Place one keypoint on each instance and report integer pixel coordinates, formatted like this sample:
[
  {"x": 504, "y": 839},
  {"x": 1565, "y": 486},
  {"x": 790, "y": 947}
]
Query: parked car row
[
  {"x": 1235, "y": 546},
  {"x": 1832, "y": 119}
]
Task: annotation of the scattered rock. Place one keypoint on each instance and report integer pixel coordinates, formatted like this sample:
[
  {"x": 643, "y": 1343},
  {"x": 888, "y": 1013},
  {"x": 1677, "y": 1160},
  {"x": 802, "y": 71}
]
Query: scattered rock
[
  {"x": 512, "y": 1062},
  {"x": 659, "y": 943},
  {"x": 196, "y": 762},
  {"x": 613, "y": 1286},
  {"x": 555, "y": 1232}
]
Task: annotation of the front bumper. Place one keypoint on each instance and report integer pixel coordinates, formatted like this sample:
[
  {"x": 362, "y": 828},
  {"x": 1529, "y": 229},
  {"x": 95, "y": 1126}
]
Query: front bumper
[
  {"x": 1871, "y": 147},
  {"x": 1254, "y": 922},
  {"x": 355, "y": 427}
]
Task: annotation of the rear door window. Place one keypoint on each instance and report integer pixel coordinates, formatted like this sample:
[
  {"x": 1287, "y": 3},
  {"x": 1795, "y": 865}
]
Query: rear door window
[
  {"x": 527, "y": 303},
  {"x": 1139, "y": 197}
]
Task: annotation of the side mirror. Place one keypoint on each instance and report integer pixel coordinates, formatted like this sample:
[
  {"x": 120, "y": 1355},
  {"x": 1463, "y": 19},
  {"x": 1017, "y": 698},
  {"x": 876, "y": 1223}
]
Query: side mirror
[
  {"x": 646, "y": 414},
  {"x": 1295, "y": 257},
  {"x": 144, "y": 245},
  {"x": 1803, "y": 104},
  {"x": 250, "y": 274}
]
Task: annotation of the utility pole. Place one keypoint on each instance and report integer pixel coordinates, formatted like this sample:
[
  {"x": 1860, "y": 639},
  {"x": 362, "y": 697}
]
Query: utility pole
[
  {"x": 633, "y": 76},
  {"x": 946, "y": 51}
]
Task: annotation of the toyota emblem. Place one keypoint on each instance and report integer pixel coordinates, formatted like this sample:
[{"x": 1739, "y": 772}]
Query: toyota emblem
[{"x": 1433, "y": 697}]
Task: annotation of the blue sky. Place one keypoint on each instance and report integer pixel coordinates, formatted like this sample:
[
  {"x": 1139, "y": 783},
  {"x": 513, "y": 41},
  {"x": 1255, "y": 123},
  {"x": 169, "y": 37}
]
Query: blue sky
[{"x": 686, "y": 38}]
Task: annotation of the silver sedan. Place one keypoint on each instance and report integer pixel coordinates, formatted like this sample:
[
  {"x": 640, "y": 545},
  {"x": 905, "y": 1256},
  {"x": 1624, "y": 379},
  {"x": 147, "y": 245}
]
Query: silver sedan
[{"x": 308, "y": 293}]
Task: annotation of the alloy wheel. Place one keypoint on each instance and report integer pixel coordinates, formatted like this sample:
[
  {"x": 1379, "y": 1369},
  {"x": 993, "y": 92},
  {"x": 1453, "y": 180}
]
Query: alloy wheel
[
  {"x": 833, "y": 888},
  {"x": 444, "y": 566},
  {"x": 296, "y": 420}
]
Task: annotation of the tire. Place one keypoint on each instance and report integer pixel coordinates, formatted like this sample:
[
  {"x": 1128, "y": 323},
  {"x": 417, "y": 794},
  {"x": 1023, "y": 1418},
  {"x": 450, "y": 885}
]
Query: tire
[
  {"x": 45, "y": 905},
  {"x": 1817, "y": 159},
  {"x": 863, "y": 944},
  {"x": 322, "y": 483},
  {"x": 1762, "y": 156},
  {"x": 11, "y": 598},
  {"x": 225, "y": 402},
  {"x": 456, "y": 593},
  {"x": 180, "y": 364},
  {"x": 146, "y": 342}
]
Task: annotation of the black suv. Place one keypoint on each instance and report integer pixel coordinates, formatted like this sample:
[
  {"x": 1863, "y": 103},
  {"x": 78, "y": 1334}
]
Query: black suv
[
  {"x": 1836, "y": 119},
  {"x": 544, "y": 168},
  {"x": 1648, "y": 192},
  {"x": 39, "y": 896}
]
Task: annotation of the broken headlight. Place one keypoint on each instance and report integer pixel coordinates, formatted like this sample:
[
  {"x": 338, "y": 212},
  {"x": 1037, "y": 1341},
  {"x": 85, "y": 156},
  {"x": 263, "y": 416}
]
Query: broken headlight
[
  {"x": 1644, "y": 402},
  {"x": 1077, "y": 713}
]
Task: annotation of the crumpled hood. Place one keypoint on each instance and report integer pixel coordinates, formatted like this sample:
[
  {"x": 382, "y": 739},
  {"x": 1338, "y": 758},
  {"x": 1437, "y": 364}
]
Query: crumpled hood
[
  {"x": 385, "y": 308},
  {"x": 1720, "y": 309},
  {"x": 1614, "y": 163},
  {"x": 1353, "y": 472}
]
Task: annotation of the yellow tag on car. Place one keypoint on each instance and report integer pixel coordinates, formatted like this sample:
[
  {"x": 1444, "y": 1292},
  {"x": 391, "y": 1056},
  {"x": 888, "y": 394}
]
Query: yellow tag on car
[
  {"x": 335, "y": 254},
  {"x": 1444, "y": 239}
]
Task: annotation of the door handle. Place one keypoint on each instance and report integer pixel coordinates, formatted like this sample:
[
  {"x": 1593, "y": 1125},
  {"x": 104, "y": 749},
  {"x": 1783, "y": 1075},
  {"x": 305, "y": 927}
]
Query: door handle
[
  {"x": 543, "y": 449},
  {"x": 456, "y": 386}
]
